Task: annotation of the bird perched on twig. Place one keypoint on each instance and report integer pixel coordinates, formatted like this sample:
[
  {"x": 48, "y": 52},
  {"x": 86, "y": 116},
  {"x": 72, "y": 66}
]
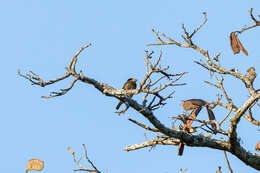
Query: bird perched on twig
[
  {"x": 251, "y": 74},
  {"x": 129, "y": 85}
]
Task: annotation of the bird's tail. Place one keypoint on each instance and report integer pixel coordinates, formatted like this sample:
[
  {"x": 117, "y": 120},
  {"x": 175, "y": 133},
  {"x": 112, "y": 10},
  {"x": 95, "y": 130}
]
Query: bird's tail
[
  {"x": 180, "y": 150},
  {"x": 119, "y": 104}
]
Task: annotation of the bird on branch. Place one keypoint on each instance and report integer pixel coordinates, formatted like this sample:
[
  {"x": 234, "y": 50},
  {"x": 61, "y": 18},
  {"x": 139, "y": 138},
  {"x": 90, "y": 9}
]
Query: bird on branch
[{"x": 129, "y": 85}]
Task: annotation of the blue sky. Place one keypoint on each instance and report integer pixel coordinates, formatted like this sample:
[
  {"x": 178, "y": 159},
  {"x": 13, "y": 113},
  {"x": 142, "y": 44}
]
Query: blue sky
[{"x": 42, "y": 36}]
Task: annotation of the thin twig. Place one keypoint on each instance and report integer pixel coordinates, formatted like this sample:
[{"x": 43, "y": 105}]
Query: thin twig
[
  {"x": 229, "y": 167},
  {"x": 225, "y": 117},
  {"x": 143, "y": 126}
]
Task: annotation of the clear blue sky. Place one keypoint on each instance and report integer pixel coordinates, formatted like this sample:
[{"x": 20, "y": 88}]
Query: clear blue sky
[{"x": 43, "y": 35}]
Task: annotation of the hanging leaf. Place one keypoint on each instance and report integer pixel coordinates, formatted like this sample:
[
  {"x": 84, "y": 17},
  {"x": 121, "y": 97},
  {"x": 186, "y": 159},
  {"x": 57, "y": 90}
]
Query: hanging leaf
[
  {"x": 241, "y": 47},
  {"x": 34, "y": 164},
  {"x": 234, "y": 44},
  {"x": 257, "y": 147},
  {"x": 192, "y": 104}
]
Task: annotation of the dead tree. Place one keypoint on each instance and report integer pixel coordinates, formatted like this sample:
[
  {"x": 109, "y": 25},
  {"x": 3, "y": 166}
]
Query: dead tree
[{"x": 158, "y": 80}]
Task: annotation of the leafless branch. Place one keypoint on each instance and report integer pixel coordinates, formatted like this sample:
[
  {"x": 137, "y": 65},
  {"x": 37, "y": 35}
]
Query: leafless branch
[
  {"x": 225, "y": 117},
  {"x": 235, "y": 109},
  {"x": 36, "y": 80},
  {"x": 143, "y": 126},
  {"x": 77, "y": 161},
  {"x": 257, "y": 23},
  {"x": 229, "y": 167},
  {"x": 152, "y": 143},
  {"x": 203, "y": 23},
  {"x": 63, "y": 91},
  {"x": 153, "y": 86}
]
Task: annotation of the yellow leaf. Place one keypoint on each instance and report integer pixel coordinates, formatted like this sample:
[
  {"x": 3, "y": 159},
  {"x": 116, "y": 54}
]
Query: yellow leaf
[{"x": 34, "y": 164}]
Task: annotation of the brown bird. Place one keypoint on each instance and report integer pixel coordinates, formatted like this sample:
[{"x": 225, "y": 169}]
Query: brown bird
[
  {"x": 257, "y": 147},
  {"x": 129, "y": 85},
  {"x": 251, "y": 74}
]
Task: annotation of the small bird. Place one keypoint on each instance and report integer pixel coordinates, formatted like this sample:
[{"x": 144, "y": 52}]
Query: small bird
[
  {"x": 129, "y": 85},
  {"x": 251, "y": 74}
]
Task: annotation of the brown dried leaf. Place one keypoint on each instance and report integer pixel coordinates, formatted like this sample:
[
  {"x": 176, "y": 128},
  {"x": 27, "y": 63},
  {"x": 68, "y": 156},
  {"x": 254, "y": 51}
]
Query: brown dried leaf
[
  {"x": 192, "y": 104},
  {"x": 241, "y": 47},
  {"x": 34, "y": 164},
  {"x": 234, "y": 43},
  {"x": 257, "y": 147}
]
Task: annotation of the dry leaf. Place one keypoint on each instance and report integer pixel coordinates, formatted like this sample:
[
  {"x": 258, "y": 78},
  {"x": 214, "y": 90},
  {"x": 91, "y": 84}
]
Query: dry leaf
[
  {"x": 34, "y": 164},
  {"x": 233, "y": 43},
  {"x": 241, "y": 47},
  {"x": 192, "y": 104},
  {"x": 236, "y": 45},
  {"x": 257, "y": 147}
]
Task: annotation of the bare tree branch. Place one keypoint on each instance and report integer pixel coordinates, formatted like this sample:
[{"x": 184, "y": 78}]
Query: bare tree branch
[
  {"x": 257, "y": 23},
  {"x": 83, "y": 168},
  {"x": 229, "y": 167},
  {"x": 143, "y": 126},
  {"x": 152, "y": 143},
  {"x": 156, "y": 82}
]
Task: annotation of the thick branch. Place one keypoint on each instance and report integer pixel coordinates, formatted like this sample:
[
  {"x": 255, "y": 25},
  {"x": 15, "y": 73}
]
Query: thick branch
[{"x": 236, "y": 118}]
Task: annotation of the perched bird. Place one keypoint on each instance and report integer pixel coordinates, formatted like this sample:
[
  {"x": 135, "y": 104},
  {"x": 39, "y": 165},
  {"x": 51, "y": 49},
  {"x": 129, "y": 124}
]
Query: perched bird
[
  {"x": 129, "y": 85},
  {"x": 251, "y": 74},
  {"x": 257, "y": 147}
]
